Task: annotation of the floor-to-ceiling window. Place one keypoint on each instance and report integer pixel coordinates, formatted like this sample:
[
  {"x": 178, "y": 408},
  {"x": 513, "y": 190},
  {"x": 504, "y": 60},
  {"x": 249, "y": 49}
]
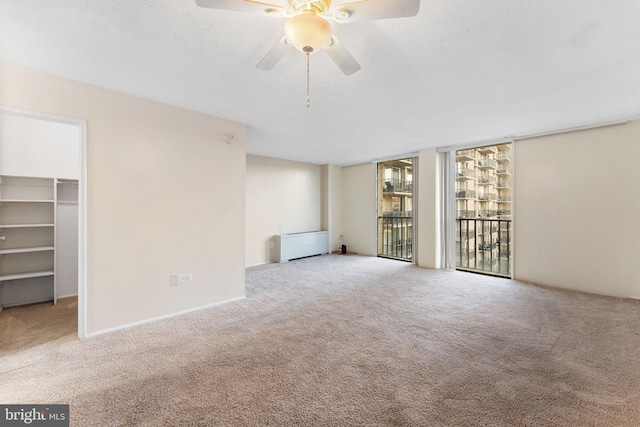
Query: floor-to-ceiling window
[
  {"x": 483, "y": 231},
  {"x": 395, "y": 209}
]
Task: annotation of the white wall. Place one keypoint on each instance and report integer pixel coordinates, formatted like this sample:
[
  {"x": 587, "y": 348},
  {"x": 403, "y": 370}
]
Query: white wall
[
  {"x": 36, "y": 147},
  {"x": 577, "y": 205},
  {"x": 282, "y": 196},
  {"x": 359, "y": 209},
  {"x": 166, "y": 196},
  {"x": 67, "y": 240}
]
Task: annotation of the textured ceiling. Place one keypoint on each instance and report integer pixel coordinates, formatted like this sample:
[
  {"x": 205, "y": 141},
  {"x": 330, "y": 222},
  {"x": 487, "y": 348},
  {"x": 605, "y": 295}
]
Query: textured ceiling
[{"x": 461, "y": 71}]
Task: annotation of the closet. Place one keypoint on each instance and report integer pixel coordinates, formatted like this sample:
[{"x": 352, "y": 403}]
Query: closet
[{"x": 39, "y": 168}]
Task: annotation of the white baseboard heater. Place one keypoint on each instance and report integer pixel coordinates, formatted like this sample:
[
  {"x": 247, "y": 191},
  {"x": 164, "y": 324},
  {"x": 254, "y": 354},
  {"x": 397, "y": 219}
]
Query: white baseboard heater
[{"x": 300, "y": 245}]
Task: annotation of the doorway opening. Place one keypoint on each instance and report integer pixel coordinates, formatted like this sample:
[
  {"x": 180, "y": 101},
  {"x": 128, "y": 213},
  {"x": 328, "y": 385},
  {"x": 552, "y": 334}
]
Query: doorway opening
[
  {"x": 395, "y": 209},
  {"x": 43, "y": 216}
]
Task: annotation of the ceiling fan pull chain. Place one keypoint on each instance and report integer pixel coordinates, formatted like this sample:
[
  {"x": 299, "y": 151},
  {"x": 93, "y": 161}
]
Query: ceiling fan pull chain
[{"x": 308, "y": 51}]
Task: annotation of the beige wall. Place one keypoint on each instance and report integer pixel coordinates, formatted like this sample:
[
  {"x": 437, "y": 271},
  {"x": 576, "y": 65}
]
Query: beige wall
[
  {"x": 359, "y": 209},
  {"x": 332, "y": 196},
  {"x": 281, "y": 197},
  {"x": 428, "y": 216},
  {"x": 577, "y": 204},
  {"x": 165, "y": 196}
]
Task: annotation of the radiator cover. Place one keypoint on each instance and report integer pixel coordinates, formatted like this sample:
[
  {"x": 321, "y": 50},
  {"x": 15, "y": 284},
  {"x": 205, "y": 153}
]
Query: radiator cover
[{"x": 299, "y": 245}]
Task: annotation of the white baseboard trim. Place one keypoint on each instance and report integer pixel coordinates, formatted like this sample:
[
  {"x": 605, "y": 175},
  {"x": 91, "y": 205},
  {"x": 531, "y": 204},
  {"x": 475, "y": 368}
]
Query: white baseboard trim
[
  {"x": 67, "y": 296},
  {"x": 165, "y": 316},
  {"x": 260, "y": 263}
]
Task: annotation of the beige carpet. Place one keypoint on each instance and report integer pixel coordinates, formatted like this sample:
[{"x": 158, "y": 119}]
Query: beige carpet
[{"x": 346, "y": 341}]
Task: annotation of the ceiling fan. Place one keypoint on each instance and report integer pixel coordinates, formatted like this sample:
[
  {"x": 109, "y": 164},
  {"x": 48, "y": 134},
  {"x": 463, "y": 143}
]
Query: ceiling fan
[{"x": 308, "y": 29}]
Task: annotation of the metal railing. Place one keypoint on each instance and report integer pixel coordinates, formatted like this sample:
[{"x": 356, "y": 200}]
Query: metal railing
[
  {"x": 397, "y": 186},
  {"x": 491, "y": 251},
  {"x": 465, "y": 173},
  {"x": 487, "y": 213},
  {"x": 502, "y": 155},
  {"x": 465, "y": 214},
  {"x": 465, "y": 194},
  {"x": 505, "y": 212},
  {"x": 406, "y": 214},
  {"x": 486, "y": 163},
  {"x": 504, "y": 184},
  {"x": 471, "y": 154},
  {"x": 487, "y": 196},
  {"x": 397, "y": 234},
  {"x": 487, "y": 150},
  {"x": 488, "y": 180}
]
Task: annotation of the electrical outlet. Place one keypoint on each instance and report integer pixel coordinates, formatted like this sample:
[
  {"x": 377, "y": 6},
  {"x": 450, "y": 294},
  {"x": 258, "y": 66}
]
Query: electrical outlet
[
  {"x": 173, "y": 280},
  {"x": 184, "y": 278}
]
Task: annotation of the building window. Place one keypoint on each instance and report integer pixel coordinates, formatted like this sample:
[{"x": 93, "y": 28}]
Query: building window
[
  {"x": 395, "y": 209},
  {"x": 483, "y": 209}
]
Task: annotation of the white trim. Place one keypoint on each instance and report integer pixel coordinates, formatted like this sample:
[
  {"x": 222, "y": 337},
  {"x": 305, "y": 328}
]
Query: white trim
[
  {"x": 260, "y": 263},
  {"x": 411, "y": 155},
  {"x": 514, "y": 138},
  {"x": 83, "y": 280},
  {"x": 165, "y": 316},
  {"x": 512, "y": 257},
  {"x": 383, "y": 159},
  {"x": 477, "y": 144},
  {"x": 67, "y": 296},
  {"x": 415, "y": 209},
  {"x": 573, "y": 129},
  {"x": 82, "y": 205}
]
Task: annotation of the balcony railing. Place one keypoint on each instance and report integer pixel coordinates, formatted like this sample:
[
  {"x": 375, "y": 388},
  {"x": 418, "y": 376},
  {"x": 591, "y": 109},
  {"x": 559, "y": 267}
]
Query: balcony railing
[
  {"x": 487, "y": 196},
  {"x": 465, "y": 155},
  {"x": 465, "y": 173},
  {"x": 491, "y": 252},
  {"x": 504, "y": 184},
  {"x": 487, "y": 150},
  {"x": 405, "y": 214},
  {"x": 465, "y": 194},
  {"x": 503, "y": 171},
  {"x": 397, "y": 186},
  {"x": 465, "y": 214},
  {"x": 487, "y": 164},
  {"x": 504, "y": 212},
  {"x": 486, "y": 180},
  {"x": 504, "y": 198},
  {"x": 487, "y": 213},
  {"x": 503, "y": 156},
  {"x": 397, "y": 234}
]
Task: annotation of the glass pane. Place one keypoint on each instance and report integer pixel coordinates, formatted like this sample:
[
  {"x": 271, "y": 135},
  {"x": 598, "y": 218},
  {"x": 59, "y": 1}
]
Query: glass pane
[{"x": 483, "y": 209}]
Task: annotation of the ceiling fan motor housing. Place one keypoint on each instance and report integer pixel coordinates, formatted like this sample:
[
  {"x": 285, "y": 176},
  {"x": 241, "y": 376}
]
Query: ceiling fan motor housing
[{"x": 319, "y": 6}]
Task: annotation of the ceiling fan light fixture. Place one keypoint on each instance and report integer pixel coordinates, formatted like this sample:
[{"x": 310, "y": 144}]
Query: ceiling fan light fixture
[{"x": 308, "y": 30}]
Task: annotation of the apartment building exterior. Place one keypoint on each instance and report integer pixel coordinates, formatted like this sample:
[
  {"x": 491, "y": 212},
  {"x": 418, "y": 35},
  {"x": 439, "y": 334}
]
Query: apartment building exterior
[{"x": 483, "y": 209}]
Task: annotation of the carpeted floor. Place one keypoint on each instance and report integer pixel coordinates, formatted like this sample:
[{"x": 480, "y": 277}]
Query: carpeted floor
[{"x": 345, "y": 341}]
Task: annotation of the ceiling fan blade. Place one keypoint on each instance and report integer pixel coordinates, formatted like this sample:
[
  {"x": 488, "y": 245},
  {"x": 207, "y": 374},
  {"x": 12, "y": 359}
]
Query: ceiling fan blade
[
  {"x": 274, "y": 55},
  {"x": 279, "y": 9},
  {"x": 369, "y": 10},
  {"x": 342, "y": 57}
]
